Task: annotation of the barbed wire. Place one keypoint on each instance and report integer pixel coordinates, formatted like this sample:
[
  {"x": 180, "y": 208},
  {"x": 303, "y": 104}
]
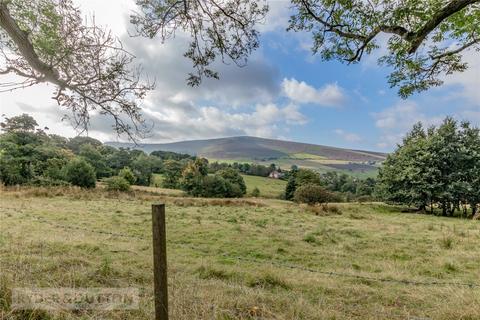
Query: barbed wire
[
  {"x": 70, "y": 227},
  {"x": 265, "y": 262}
]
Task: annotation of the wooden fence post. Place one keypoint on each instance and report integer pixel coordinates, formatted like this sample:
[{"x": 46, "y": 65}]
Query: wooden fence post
[{"x": 160, "y": 262}]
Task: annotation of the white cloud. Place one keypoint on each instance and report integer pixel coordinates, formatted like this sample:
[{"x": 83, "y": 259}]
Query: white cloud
[
  {"x": 469, "y": 80},
  {"x": 348, "y": 136},
  {"x": 301, "y": 92},
  {"x": 265, "y": 120},
  {"x": 396, "y": 121}
]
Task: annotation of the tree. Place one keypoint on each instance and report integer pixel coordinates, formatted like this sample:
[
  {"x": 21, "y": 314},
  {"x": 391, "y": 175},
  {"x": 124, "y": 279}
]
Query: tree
[
  {"x": 313, "y": 194},
  {"x": 232, "y": 176},
  {"x": 80, "y": 173},
  {"x": 95, "y": 159},
  {"x": 192, "y": 177},
  {"x": 290, "y": 188},
  {"x": 48, "y": 41},
  {"x": 306, "y": 176},
  {"x": 127, "y": 174},
  {"x": 434, "y": 167},
  {"x": 77, "y": 142},
  {"x": 143, "y": 166},
  {"x": 172, "y": 173},
  {"x": 117, "y": 183},
  {"x": 22, "y": 123},
  {"x": 425, "y": 39}
]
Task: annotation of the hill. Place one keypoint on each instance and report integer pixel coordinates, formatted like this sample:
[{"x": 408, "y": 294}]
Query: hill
[{"x": 283, "y": 153}]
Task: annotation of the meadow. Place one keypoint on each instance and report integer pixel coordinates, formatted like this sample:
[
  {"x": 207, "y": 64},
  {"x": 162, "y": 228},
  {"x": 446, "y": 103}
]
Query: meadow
[{"x": 240, "y": 258}]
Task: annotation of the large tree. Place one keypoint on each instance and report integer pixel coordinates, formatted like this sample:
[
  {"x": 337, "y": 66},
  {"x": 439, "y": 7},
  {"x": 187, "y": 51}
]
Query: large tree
[
  {"x": 49, "y": 41},
  {"x": 425, "y": 39},
  {"x": 435, "y": 167}
]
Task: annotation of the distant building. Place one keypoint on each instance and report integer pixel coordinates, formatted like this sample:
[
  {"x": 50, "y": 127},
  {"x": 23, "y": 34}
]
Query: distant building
[{"x": 276, "y": 174}]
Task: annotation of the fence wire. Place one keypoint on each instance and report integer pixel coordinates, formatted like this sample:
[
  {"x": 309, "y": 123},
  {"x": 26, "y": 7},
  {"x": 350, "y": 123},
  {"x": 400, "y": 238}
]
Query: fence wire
[{"x": 262, "y": 262}]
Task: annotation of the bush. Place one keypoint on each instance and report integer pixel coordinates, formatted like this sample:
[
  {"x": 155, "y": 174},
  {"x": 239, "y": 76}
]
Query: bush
[
  {"x": 127, "y": 174},
  {"x": 214, "y": 187},
  {"x": 232, "y": 176},
  {"x": 117, "y": 183},
  {"x": 313, "y": 194},
  {"x": 79, "y": 173},
  {"x": 255, "y": 192},
  {"x": 48, "y": 182}
]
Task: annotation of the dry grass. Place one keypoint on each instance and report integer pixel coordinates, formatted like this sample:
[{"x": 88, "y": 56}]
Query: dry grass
[{"x": 372, "y": 240}]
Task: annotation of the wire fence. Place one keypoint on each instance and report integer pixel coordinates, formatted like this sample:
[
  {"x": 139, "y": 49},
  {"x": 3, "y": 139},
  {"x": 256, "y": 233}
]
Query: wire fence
[{"x": 259, "y": 261}]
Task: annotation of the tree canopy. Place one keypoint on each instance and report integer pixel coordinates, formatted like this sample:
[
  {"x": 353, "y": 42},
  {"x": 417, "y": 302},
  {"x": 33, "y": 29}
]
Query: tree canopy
[{"x": 436, "y": 167}]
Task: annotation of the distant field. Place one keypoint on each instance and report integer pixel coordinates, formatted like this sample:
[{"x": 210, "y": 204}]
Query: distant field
[
  {"x": 239, "y": 259},
  {"x": 269, "y": 188}
]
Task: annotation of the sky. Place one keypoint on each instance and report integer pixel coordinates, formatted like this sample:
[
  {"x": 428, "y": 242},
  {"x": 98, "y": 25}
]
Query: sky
[{"x": 284, "y": 92}]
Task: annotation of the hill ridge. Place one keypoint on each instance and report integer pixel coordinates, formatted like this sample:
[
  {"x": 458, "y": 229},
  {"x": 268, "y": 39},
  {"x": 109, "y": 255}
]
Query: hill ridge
[{"x": 265, "y": 150}]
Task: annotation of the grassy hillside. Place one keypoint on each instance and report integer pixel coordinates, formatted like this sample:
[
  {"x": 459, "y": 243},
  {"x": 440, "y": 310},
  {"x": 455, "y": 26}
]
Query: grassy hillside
[
  {"x": 269, "y": 188},
  {"x": 240, "y": 259},
  {"x": 283, "y": 153}
]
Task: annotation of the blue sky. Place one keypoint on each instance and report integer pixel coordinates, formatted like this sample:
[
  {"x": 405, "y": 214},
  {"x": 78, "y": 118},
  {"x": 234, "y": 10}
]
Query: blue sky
[{"x": 284, "y": 92}]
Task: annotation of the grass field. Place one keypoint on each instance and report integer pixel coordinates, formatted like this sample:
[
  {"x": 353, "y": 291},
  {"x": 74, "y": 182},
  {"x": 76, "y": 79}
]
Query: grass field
[
  {"x": 269, "y": 188},
  {"x": 239, "y": 259}
]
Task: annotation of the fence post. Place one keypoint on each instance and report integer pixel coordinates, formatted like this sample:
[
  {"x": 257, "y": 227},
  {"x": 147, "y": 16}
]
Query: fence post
[{"x": 160, "y": 262}]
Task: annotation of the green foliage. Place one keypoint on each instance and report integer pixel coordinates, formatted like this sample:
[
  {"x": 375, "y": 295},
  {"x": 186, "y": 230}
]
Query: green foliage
[
  {"x": 172, "y": 171},
  {"x": 92, "y": 155},
  {"x": 255, "y": 192},
  {"x": 298, "y": 178},
  {"x": 41, "y": 181},
  {"x": 214, "y": 187},
  {"x": 306, "y": 176},
  {"x": 75, "y": 144},
  {"x": 80, "y": 173},
  {"x": 313, "y": 194},
  {"x": 143, "y": 167},
  {"x": 117, "y": 183},
  {"x": 438, "y": 166},
  {"x": 233, "y": 177},
  {"x": 22, "y": 123},
  {"x": 29, "y": 156},
  {"x": 193, "y": 175},
  {"x": 127, "y": 174}
]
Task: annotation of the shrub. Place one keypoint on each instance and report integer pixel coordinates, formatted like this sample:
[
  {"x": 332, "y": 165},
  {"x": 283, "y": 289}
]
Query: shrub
[
  {"x": 127, "y": 174},
  {"x": 255, "y": 192},
  {"x": 117, "y": 183},
  {"x": 232, "y": 176},
  {"x": 363, "y": 199},
  {"x": 313, "y": 194},
  {"x": 214, "y": 186},
  {"x": 79, "y": 173},
  {"x": 48, "y": 182}
]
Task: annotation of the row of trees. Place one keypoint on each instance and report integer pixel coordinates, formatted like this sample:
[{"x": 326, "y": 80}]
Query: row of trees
[
  {"x": 251, "y": 169},
  {"x": 438, "y": 167},
  {"x": 343, "y": 186},
  {"x": 28, "y": 155}
]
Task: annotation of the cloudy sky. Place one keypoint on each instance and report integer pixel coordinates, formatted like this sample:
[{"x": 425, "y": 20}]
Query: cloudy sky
[{"x": 284, "y": 92}]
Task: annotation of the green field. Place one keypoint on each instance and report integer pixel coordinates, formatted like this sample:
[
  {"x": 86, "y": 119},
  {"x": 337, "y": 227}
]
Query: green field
[
  {"x": 269, "y": 188},
  {"x": 240, "y": 259}
]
